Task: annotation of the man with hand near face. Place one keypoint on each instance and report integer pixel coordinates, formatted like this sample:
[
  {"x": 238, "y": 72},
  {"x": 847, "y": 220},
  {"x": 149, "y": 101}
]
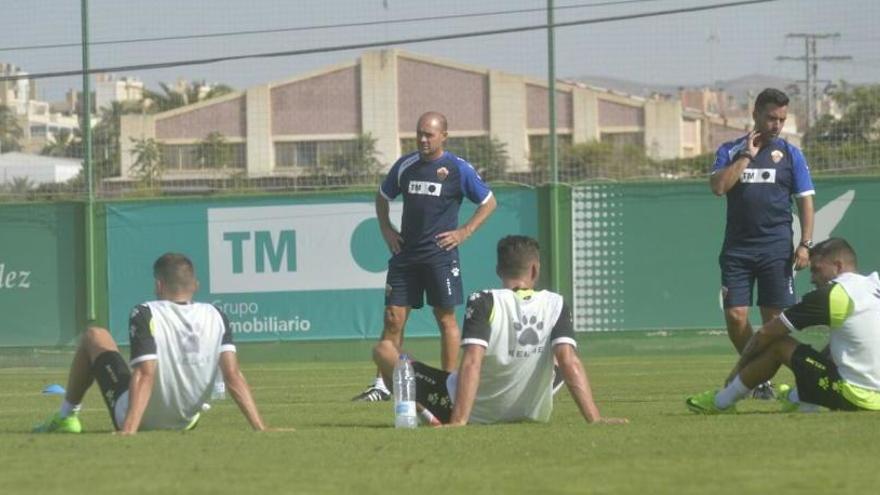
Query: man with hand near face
[{"x": 760, "y": 173}]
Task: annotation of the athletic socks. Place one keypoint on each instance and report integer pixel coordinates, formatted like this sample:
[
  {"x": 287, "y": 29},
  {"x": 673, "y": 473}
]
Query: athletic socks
[
  {"x": 428, "y": 418},
  {"x": 733, "y": 392},
  {"x": 67, "y": 408},
  {"x": 380, "y": 384}
]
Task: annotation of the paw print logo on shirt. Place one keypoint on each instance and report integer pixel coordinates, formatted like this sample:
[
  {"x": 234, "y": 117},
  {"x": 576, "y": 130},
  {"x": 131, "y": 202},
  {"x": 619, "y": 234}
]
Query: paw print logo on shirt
[{"x": 527, "y": 330}]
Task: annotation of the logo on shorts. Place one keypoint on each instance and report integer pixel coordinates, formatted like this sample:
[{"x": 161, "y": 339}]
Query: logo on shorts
[
  {"x": 455, "y": 271},
  {"x": 442, "y": 173},
  {"x": 435, "y": 399},
  {"x": 387, "y": 290},
  {"x": 776, "y": 156},
  {"x": 877, "y": 293},
  {"x": 724, "y": 292},
  {"x": 112, "y": 374}
]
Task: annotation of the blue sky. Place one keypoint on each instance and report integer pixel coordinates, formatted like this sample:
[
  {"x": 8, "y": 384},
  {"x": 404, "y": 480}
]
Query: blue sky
[{"x": 681, "y": 49}]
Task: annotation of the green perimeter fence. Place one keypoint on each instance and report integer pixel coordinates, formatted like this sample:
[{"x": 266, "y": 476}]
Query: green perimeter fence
[{"x": 310, "y": 267}]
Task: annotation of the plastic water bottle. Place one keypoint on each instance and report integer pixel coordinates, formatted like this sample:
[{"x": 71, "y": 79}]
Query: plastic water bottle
[
  {"x": 219, "y": 391},
  {"x": 404, "y": 379}
]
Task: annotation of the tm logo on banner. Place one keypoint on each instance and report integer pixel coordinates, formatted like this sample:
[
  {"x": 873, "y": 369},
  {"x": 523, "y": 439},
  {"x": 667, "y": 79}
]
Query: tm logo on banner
[{"x": 296, "y": 248}]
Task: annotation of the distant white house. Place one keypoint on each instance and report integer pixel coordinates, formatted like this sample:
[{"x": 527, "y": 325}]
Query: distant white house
[{"x": 38, "y": 169}]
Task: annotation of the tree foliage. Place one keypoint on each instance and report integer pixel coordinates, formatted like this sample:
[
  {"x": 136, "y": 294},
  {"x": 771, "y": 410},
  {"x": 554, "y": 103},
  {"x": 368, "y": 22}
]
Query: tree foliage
[
  {"x": 852, "y": 141},
  {"x": 147, "y": 162},
  {"x": 170, "y": 97},
  {"x": 214, "y": 151},
  {"x": 357, "y": 158},
  {"x": 10, "y": 131}
]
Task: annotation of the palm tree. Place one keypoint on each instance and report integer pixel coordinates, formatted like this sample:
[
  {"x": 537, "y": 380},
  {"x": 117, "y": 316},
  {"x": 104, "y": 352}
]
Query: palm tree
[
  {"x": 63, "y": 144},
  {"x": 105, "y": 137},
  {"x": 10, "y": 130},
  {"x": 170, "y": 98},
  {"x": 20, "y": 185},
  {"x": 147, "y": 161}
]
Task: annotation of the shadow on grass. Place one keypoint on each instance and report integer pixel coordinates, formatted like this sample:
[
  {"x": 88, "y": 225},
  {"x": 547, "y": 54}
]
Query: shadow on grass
[{"x": 353, "y": 425}]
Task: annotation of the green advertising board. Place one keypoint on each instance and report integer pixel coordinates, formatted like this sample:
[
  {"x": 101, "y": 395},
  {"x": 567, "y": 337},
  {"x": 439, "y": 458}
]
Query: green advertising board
[
  {"x": 41, "y": 274},
  {"x": 287, "y": 268},
  {"x": 645, "y": 256}
]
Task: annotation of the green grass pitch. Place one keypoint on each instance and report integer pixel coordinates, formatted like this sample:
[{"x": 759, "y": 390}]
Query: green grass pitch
[{"x": 344, "y": 447}]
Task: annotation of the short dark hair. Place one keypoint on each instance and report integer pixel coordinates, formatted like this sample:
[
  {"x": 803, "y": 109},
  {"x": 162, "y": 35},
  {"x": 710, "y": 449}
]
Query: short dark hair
[
  {"x": 515, "y": 252},
  {"x": 176, "y": 271},
  {"x": 835, "y": 248},
  {"x": 770, "y": 96}
]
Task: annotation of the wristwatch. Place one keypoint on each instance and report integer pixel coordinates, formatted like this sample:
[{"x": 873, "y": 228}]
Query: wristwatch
[{"x": 807, "y": 243}]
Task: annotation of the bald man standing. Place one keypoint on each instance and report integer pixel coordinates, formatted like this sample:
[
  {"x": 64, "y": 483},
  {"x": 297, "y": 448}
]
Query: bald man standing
[{"x": 424, "y": 252}]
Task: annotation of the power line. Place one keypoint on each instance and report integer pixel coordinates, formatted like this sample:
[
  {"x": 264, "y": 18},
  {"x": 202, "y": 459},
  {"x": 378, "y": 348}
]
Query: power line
[
  {"x": 811, "y": 61},
  {"x": 317, "y": 27},
  {"x": 376, "y": 44}
]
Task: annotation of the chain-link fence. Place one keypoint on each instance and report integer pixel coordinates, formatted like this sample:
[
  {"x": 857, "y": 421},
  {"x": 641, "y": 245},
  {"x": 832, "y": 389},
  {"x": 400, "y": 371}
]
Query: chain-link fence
[{"x": 201, "y": 97}]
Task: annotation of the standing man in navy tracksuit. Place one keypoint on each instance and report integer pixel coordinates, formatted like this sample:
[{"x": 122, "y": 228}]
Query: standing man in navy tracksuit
[
  {"x": 760, "y": 173},
  {"x": 424, "y": 261}
]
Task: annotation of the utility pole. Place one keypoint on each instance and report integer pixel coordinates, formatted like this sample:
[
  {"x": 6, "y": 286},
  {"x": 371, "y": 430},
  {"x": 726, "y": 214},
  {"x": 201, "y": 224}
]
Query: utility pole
[{"x": 811, "y": 63}]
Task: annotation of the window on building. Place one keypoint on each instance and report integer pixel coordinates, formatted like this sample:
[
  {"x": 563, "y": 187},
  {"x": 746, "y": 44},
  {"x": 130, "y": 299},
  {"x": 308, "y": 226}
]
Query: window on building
[
  {"x": 201, "y": 157},
  {"x": 621, "y": 140},
  {"x": 333, "y": 155},
  {"x": 540, "y": 142},
  {"x": 539, "y": 145},
  {"x": 38, "y": 131}
]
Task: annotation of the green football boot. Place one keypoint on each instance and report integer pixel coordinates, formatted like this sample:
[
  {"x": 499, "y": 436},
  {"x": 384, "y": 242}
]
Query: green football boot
[
  {"x": 704, "y": 403},
  {"x": 57, "y": 424},
  {"x": 785, "y": 405}
]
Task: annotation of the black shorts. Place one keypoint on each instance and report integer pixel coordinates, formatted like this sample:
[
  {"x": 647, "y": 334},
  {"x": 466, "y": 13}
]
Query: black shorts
[
  {"x": 773, "y": 274},
  {"x": 113, "y": 376},
  {"x": 818, "y": 381},
  {"x": 431, "y": 391},
  {"x": 408, "y": 283}
]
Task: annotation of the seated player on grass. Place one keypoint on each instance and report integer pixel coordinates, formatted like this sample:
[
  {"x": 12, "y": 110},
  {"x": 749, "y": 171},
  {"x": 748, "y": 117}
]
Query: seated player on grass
[
  {"x": 510, "y": 339},
  {"x": 844, "y": 376},
  {"x": 176, "y": 348}
]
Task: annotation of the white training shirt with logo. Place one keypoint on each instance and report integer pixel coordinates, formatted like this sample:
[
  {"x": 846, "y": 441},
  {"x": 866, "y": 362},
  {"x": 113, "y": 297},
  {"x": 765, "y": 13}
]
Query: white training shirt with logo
[
  {"x": 186, "y": 340},
  {"x": 519, "y": 329}
]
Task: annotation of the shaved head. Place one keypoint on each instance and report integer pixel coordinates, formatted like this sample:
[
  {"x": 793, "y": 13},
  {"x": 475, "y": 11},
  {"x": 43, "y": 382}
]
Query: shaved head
[
  {"x": 435, "y": 118},
  {"x": 431, "y": 135}
]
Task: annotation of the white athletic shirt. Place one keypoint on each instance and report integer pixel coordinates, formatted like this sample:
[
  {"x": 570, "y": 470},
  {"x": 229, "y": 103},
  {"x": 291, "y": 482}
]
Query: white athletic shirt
[
  {"x": 186, "y": 340},
  {"x": 855, "y": 346},
  {"x": 850, "y": 306},
  {"x": 519, "y": 330}
]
